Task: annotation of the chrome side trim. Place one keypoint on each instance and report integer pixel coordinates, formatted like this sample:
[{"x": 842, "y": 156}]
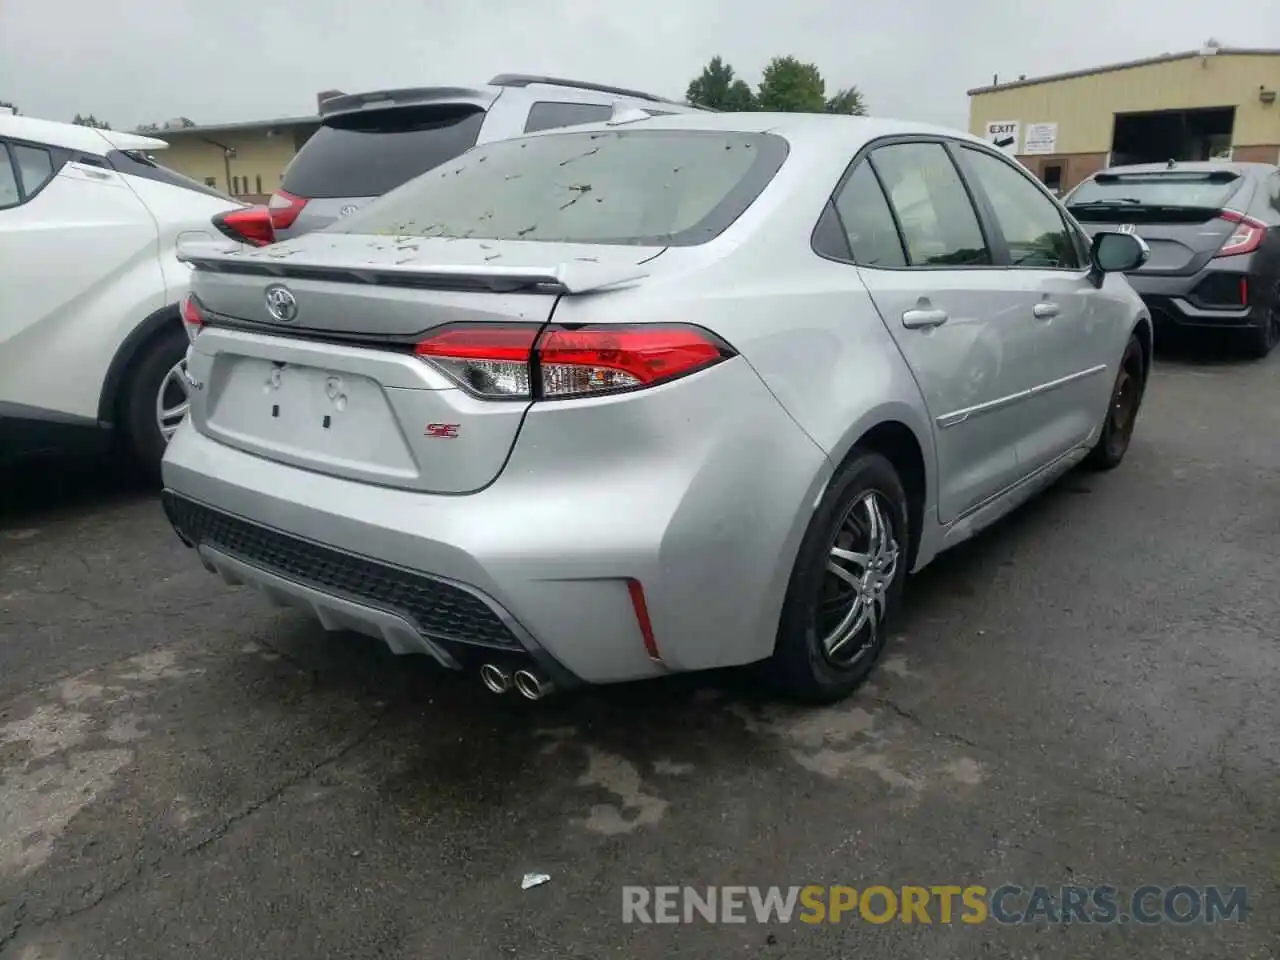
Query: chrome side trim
[{"x": 960, "y": 416}]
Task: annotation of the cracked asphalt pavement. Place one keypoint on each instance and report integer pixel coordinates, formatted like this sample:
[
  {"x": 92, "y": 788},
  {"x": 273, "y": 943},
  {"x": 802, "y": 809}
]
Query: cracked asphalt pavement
[{"x": 1088, "y": 693}]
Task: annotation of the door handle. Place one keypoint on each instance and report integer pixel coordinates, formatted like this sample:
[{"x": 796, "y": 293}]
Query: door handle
[
  {"x": 1045, "y": 310},
  {"x": 923, "y": 319}
]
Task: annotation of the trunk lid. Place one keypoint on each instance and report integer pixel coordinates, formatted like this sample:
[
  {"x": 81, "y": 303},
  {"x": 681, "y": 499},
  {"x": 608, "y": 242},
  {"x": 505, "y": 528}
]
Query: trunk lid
[
  {"x": 1178, "y": 247},
  {"x": 1176, "y": 209},
  {"x": 332, "y": 383}
]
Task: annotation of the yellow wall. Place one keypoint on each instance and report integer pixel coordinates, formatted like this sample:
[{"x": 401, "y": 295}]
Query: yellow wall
[
  {"x": 1084, "y": 107},
  {"x": 258, "y": 159}
]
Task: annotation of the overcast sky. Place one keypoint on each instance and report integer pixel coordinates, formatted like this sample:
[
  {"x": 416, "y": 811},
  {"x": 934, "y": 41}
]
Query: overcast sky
[{"x": 148, "y": 60}]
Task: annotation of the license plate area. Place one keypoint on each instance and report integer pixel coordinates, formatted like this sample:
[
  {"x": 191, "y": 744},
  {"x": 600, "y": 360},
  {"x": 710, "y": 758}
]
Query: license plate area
[{"x": 307, "y": 415}]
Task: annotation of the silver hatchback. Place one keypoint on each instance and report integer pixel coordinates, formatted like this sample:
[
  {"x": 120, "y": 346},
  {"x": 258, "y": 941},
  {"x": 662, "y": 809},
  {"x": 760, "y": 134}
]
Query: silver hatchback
[{"x": 683, "y": 392}]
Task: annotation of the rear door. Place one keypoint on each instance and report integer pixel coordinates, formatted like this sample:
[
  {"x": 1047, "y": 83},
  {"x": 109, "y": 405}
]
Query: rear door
[
  {"x": 929, "y": 268},
  {"x": 355, "y": 158},
  {"x": 1076, "y": 335}
]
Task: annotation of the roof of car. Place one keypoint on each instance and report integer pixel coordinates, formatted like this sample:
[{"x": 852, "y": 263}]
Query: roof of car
[
  {"x": 1192, "y": 166},
  {"x": 789, "y": 125},
  {"x": 72, "y": 136}
]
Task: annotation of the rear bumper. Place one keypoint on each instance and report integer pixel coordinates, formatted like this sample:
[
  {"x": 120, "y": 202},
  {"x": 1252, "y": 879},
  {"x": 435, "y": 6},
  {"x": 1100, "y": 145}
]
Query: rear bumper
[
  {"x": 1172, "y": 304},
  {"x": 701, "y": 493}
]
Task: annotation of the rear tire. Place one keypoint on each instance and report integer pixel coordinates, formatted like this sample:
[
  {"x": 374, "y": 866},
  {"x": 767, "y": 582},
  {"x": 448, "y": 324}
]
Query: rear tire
[
  {"x": 156, "y": 369},
  {"x": 1259, "y": 341},
  {"x": 834, "y": 624},
  {"x": 1122, "y": 410}
]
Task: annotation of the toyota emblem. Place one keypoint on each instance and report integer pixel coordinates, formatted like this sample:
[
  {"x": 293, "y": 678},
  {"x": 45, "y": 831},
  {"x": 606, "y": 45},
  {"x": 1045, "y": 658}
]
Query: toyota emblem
[
  {"x": 349, "y": 209},
  {"x": 281, "y": 303}
]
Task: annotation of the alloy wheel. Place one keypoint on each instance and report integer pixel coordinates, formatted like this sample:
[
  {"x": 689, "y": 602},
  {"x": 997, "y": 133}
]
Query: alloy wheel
[
  {"x": 172, "y": 400},
  {"x": 862, "y": 562}
]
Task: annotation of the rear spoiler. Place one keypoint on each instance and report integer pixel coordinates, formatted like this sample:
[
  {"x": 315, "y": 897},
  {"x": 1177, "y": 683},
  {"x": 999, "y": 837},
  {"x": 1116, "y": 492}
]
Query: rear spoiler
[
  {"x": 404, "y": 97},
  {"x": 568, "y": 277}
]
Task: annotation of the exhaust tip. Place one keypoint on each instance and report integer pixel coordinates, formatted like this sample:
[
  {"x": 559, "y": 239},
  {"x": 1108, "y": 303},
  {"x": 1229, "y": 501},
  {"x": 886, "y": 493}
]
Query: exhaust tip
[
  {"x": 531, "y": 685},
  {"x": 495, "y": 679}
]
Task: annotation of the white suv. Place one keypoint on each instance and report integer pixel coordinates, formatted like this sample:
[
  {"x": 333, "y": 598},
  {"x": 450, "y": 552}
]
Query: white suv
[{"x": 90, "y": 336}]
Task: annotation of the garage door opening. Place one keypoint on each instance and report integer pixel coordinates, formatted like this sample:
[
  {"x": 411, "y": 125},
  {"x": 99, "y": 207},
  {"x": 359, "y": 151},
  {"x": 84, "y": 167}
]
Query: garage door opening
[{"x": 1173, "y": 135}]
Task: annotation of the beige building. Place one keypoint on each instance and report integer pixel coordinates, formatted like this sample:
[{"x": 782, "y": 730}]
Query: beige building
[
  {"x": 245, "y": 160},
  {"x": 1210, "y": 103}
]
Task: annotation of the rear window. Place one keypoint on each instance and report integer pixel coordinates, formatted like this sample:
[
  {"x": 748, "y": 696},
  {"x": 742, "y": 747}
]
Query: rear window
[
  {"x": 368, "y": 154},
  {"x": 1207, "y": 189},
  {"x": 138, "y": 164},
  {"x": 644, "y": 187}
]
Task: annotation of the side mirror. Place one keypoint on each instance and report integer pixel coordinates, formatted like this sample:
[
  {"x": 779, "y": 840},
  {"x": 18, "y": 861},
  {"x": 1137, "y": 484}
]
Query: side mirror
[{"x": 1117, "y": 253}]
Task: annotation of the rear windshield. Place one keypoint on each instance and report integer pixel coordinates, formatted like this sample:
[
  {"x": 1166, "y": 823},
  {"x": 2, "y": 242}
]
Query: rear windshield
[
  {"x": 367, "y": 154},
  {"x": 644, "y": 187},
  {"x": 1204, "y": 190},
  {"x": 139, "y": 164}
]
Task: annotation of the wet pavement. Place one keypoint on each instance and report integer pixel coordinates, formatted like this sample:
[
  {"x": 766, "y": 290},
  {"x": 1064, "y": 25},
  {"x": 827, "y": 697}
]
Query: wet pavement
[{"x": 1087, "y": 694}]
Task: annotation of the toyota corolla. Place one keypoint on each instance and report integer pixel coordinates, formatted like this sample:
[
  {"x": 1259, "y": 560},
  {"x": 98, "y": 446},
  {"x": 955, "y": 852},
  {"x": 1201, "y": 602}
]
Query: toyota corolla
[{"x": 657, "y": 395}]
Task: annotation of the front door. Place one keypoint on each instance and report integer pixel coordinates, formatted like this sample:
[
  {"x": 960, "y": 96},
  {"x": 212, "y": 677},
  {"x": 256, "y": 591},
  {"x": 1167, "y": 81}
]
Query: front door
[
  {"x": 947, "y": 309},
  {"x": 1070, "y": 325}
]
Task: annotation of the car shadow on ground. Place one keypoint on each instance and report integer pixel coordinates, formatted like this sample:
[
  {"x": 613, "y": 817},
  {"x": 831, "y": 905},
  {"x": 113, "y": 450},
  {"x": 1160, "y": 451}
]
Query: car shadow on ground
[
  {"x": 451, "y": 733},
  {"x": 1211, "y": 348},
  {"x": 60, "y": 486}
]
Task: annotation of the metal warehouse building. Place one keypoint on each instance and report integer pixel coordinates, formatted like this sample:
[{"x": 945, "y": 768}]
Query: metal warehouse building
[{"x": 1216, "y": 102}]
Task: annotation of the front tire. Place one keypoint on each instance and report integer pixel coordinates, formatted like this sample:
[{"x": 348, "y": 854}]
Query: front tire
[
  {"x": 846, "y": 584},
  {"x": 156, "y": 396},
  {"x": 1122, "y": 410}
]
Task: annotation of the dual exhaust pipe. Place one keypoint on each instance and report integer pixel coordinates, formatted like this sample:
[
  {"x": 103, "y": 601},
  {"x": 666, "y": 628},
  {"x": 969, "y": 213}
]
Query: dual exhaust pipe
[{"x": 531, "y": 684}]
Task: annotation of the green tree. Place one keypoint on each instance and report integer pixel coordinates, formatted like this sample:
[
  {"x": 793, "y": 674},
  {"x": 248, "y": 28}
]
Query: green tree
[
  {"x": 717, "y": 87},
  {"x": 848, "y": 101},
  {"x": 11, "y": 106},
  {"x": 91, "y": 121},
  {"x": 789, "y": 86}
]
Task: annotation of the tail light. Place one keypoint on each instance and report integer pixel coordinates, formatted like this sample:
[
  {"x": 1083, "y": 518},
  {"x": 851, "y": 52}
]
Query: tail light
[
  {"x": 1247, "y": 236},
  {"x": 192, "y": 317},
  {"x": 514, "y": 361},
  {"x": 250, "y": 225},
  {"x": 284, "y": 208}
]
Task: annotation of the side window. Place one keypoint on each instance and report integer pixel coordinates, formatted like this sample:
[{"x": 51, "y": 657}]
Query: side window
[
  {"x": 10, "y": 196},
  {"x": 35, "y": 168},
  {"x": 868, "y": 222},
  {"x": 938, "y": 221},
  {"x": 545, "y": 115},
  {"x": 1032, "y": 225}
]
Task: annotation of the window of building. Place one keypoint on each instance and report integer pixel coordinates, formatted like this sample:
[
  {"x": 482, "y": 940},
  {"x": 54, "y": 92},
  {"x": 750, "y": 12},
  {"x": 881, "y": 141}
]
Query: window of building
[
  {"x": 1052, "y": 177},
  {"x": 1032, "y": 226},
  {"x": 546, "y": 115},
  {"x": 939, "y": 224},
  {"x": 868, "y": 222},
  {"x": 257, "y": 179},
  {"x": 210, "y": 181}
]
